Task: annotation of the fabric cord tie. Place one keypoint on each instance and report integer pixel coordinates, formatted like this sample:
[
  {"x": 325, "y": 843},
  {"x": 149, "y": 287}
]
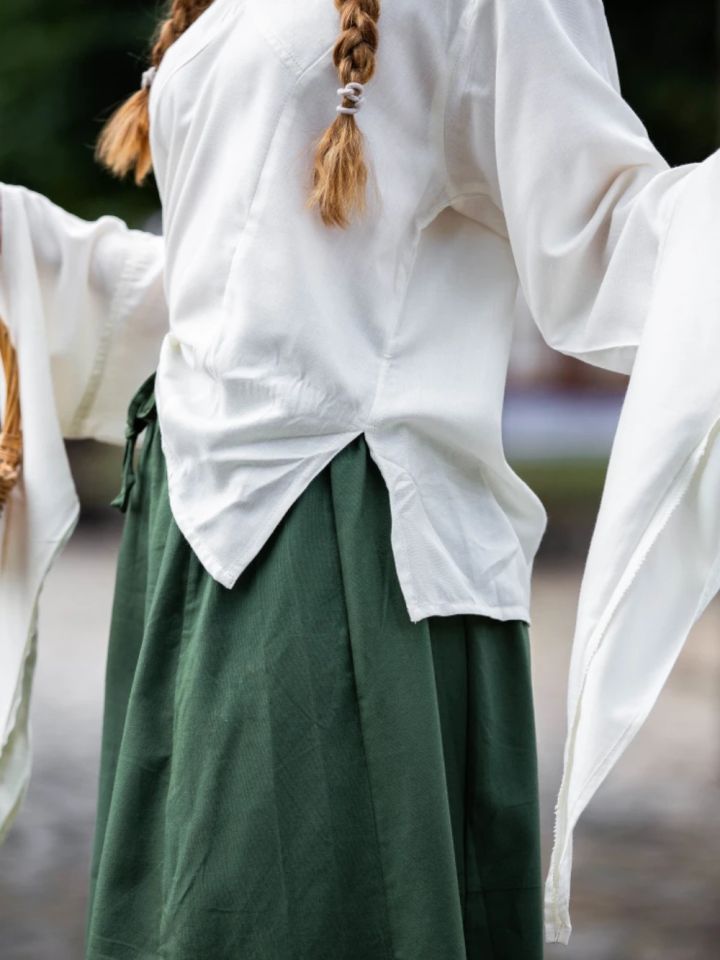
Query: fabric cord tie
[
  {"x": 352, "y": 91},
  {"x": 141, "y": 412}
]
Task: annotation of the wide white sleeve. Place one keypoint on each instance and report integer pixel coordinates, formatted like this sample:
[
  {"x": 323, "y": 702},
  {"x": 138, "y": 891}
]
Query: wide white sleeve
[
  {"x": 617, "y": 258},
  {"x": 98, "y": 289},
  {"x": 654, "y": 560},
  {"x": 541, "y": 145}
]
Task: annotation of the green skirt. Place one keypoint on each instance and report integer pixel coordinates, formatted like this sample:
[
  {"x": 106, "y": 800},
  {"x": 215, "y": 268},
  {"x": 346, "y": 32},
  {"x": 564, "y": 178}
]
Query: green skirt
[{"x": 292, "y": 769}]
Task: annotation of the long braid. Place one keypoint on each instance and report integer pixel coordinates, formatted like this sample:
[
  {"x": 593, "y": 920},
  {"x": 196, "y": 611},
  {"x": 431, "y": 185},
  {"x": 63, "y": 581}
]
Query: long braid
[
  {"x": 124, "y": 143},
  {"x": 340, "y": 173}
]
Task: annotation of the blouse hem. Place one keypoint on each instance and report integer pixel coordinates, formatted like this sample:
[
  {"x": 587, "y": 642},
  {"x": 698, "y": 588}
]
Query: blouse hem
[{"x": 228, "y": 576}]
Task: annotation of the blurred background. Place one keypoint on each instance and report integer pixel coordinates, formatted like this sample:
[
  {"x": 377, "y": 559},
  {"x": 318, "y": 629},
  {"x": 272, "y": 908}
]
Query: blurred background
[{"x": 648, "y": 850}]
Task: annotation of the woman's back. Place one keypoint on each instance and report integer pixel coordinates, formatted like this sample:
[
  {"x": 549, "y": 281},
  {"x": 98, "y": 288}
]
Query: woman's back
[{"x": 505, "y": 171}]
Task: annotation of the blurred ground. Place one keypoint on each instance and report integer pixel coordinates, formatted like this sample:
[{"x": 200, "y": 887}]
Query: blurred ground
[{"x": 647, "y": 853}]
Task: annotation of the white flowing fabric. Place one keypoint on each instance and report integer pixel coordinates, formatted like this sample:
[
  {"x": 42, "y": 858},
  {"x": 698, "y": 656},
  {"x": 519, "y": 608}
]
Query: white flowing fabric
[
  {"x": 85, "y": 308},
  {"x": 654, "y": 561},
  {"x": 504, "y": 162},
  {"x": 505, "y": 166}
]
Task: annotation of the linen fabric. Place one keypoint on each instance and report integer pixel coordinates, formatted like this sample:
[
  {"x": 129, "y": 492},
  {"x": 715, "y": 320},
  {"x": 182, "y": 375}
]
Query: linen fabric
[
  {"x": 81, "y": 308},
  {"x": 292, "y": 768},
  {"x": 654, "y": 561},
  {"x": 507, "y": 174}
]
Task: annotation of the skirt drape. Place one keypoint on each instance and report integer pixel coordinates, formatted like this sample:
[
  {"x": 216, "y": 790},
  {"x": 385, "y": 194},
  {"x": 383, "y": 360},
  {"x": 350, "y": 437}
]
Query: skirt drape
[{"x": 292, "y": 769}]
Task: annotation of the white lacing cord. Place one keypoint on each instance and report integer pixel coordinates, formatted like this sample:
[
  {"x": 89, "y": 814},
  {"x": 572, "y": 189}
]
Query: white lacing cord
[{"x": 352, "y": 91}]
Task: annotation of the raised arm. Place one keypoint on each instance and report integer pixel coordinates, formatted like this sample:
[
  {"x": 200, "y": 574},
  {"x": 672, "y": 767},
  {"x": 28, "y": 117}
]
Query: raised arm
[
  {"x": 97, "y": 288},
  {"x": 540, "y": 144},
  {"x": 616, "y": 254}
]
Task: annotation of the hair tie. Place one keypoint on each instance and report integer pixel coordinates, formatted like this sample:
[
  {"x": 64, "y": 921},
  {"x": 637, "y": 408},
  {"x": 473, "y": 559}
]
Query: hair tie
[
  {"x": 352, "y": 91},
  {"x": 148, "y": 77}
]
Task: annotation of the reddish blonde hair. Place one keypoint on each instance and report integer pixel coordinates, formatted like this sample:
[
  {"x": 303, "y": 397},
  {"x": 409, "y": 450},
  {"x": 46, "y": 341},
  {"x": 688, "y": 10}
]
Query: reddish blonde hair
[{"x": 339, "y": 176}]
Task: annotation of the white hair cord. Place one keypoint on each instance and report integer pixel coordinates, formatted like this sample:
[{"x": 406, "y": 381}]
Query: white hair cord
[
  {"x": 147, "y": 78},
  {"x": 353, "y": 91}
]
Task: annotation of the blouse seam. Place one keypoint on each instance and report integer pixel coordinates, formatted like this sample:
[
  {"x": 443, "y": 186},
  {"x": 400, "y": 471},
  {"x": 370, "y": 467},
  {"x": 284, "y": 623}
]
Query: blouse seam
[
  {"x": 468, "y": 11},
  {"x": 285, "y": 55},
  {"x": 387, "y": 353},
  {"x": 210, "y": 359},
  {"x": 450, "y": 40},
  {"x": 158, "y": 88}
]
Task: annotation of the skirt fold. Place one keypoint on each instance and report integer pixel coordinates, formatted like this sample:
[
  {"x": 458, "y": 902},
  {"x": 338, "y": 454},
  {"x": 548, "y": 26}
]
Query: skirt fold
[{"x": 292, "y": 769}]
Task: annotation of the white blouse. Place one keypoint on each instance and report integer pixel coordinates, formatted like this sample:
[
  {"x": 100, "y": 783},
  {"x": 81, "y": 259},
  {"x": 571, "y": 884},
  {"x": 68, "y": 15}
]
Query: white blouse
[{"x": 507, "y": 173}]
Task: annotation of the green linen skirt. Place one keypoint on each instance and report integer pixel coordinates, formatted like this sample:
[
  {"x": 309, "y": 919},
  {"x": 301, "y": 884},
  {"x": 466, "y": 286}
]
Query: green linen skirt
[{"x": 292, "y": 769}]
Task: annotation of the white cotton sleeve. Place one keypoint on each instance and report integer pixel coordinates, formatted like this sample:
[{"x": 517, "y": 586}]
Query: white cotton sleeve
[
  {"x": 98, "y": 288},
  {"x": 540, "y": 141},
  {"x": 616, "y": 253},
  {"x": 654, "y": 560}
]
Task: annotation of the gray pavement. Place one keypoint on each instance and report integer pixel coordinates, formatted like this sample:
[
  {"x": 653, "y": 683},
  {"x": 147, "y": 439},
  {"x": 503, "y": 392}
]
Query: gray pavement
[{"x": 647, "y": 852}]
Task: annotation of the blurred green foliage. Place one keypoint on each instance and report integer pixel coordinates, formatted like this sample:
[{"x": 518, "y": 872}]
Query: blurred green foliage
[
  {"x": 667, "y": 55},
  {"x": 63, "y": 66}
]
